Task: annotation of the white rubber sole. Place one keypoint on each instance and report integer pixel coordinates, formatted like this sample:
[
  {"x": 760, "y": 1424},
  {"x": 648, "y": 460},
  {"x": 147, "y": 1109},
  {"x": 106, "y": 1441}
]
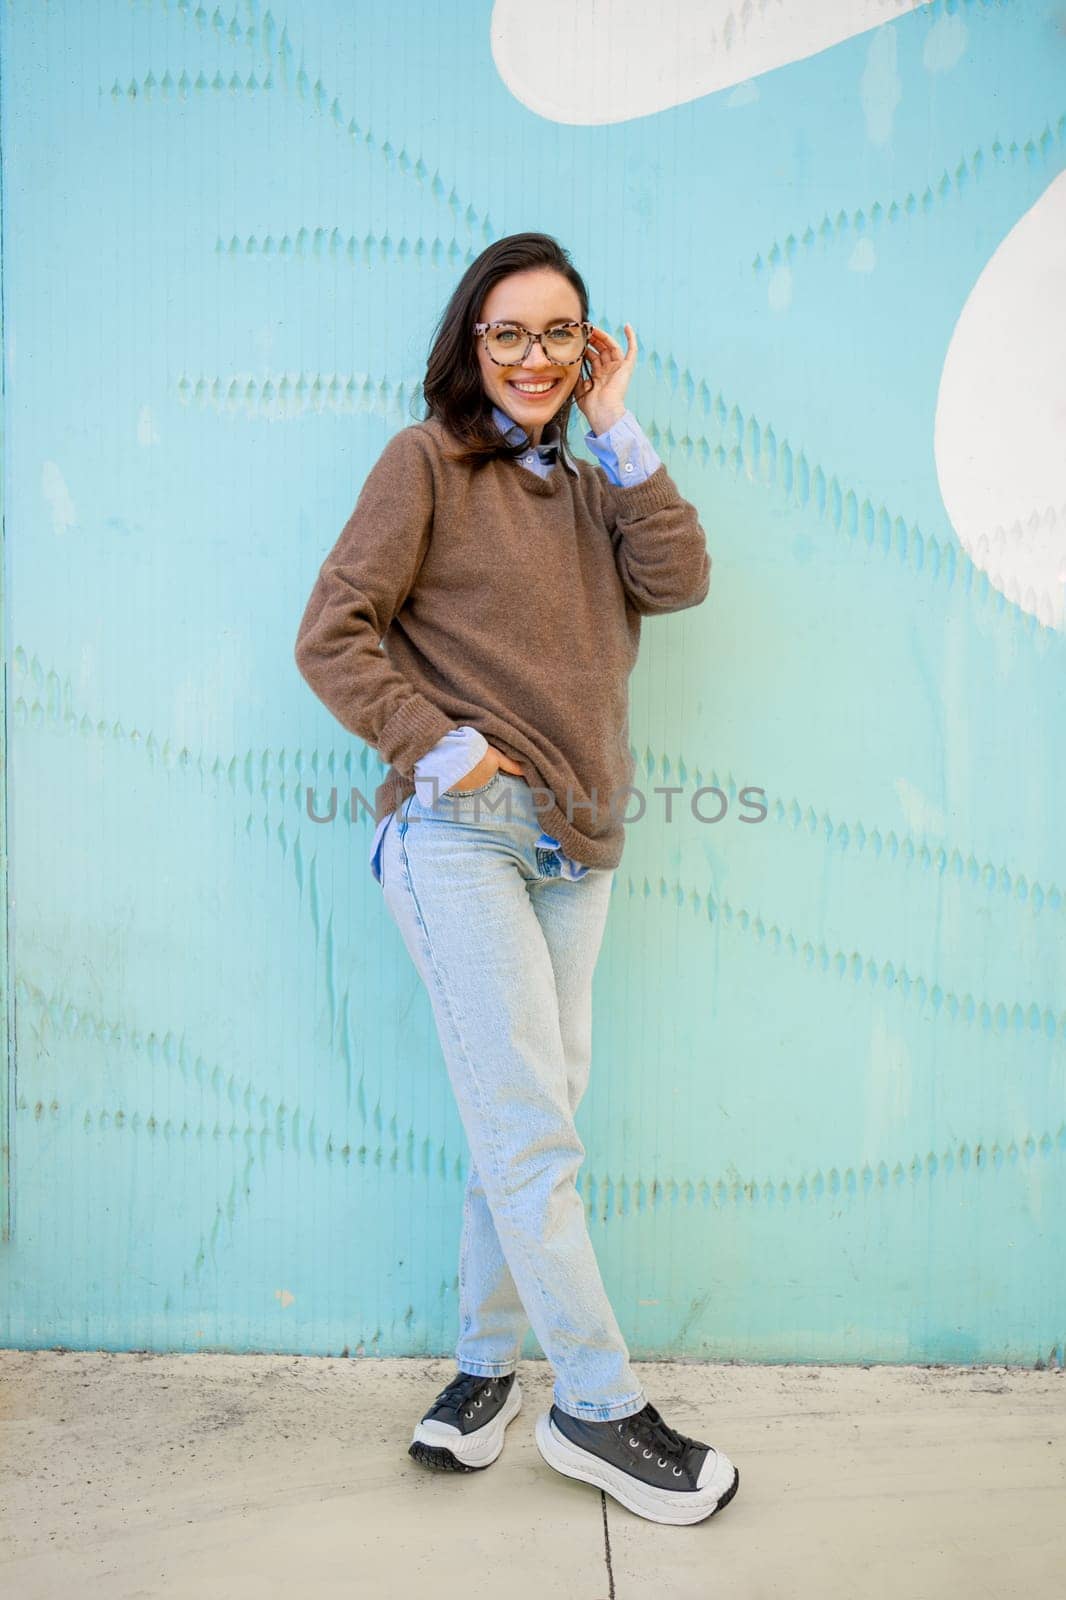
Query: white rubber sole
[
  {"x": 478, "y": 1449},
  {"x": 677, "y": 1506}
]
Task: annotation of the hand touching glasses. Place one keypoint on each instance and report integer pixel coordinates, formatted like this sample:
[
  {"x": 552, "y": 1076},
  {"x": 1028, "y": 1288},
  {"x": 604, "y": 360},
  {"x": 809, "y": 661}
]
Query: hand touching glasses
[{"x": 602, "y": 396}]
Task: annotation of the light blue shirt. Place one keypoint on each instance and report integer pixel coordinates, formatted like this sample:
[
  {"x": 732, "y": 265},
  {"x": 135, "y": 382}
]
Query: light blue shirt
[{"x": 628, "y": 457}]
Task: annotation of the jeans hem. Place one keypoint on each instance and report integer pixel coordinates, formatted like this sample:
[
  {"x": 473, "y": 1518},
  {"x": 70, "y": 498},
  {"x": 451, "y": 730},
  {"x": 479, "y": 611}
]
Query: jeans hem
[
  {"x": 486, "y": 1369},
  {"x": 585, "y": 1411}
]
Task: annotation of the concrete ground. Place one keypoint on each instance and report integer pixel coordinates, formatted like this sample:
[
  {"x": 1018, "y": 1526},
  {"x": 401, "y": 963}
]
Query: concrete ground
[{"x": 223, "y": 1477}]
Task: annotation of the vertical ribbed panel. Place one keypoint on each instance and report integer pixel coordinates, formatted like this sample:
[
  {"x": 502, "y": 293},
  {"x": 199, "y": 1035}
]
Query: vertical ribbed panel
[{"x": 826, "y": 1116}]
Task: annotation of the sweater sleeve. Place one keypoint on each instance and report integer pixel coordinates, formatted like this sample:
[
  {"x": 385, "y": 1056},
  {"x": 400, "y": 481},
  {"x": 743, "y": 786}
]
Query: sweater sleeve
[
  {"x": 361, "y": 586},
  {"x": 660, "y": 549}
]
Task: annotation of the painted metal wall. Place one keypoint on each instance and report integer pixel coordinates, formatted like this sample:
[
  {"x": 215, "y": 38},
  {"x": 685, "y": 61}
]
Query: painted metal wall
[{"x": 826, "y": 1118}]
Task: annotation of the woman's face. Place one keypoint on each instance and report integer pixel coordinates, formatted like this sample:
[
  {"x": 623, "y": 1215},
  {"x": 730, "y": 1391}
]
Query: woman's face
[{"x": 536, "y": 299}]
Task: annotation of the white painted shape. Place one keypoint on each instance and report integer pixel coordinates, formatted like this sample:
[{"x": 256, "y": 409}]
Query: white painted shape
[
  {"x": 57, "y": 498},
  {"x": 745, "y": 94},
  {"x": 779, "y": 289},
  {"x": 888, "y": 1079},
  {"x": 589, "y": 62},
  {"x": 863, "y": 257},
  {"x": 945, "y": 43},
  {"x": 923, "y": 816},
  {"x": 147, "y": 433},
  {"x": 999, "y": 436},
  {"x": 882, "y": 88}
]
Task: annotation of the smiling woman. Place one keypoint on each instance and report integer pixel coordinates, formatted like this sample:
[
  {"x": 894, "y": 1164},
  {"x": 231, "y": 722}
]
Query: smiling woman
[
  {"x": 517, "y": 578},
  {"x": 527, "y": 283},
  {"x": 510, "y": 345},
  {"x": 533, "y": 389}
]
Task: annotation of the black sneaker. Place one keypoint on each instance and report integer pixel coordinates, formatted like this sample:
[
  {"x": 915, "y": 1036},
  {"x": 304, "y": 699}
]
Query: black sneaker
[
  {"x": 464, "y": 1427},
  {"x": 642, "y": 1463}
]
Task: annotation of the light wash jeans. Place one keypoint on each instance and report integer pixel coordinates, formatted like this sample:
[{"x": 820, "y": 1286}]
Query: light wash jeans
[{"x": 506, "y": 948}]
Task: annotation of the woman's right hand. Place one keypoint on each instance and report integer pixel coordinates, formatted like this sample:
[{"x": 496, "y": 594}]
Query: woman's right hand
[{"x": 485, "y": 769}]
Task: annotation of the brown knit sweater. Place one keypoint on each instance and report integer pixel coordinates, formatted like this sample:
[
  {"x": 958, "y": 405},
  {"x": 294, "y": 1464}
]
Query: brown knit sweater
[{"x": 508, "y": 602}]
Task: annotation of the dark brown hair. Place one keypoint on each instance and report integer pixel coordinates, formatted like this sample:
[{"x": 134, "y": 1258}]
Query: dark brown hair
[{"x": 452, "y": 386}]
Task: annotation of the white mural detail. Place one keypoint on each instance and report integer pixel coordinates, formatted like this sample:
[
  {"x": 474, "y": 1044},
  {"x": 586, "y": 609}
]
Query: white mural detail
[
  {"x": 881, "y": 87},
  {"x": 945, "y": 43},
  {"x": 587, "y": 62},
  {"x": 1000, "y": 429},
  {"x": 57, "y": 497}
]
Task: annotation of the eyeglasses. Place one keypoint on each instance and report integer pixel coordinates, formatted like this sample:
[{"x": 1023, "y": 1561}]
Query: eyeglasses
[{"x": 508, "y": 343}]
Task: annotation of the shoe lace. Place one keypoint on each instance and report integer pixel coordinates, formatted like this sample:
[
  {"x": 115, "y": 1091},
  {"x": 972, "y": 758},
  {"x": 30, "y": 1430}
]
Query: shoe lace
[
  {"x": 649, "y": 1426},
  {"x": 463, "y": 1387}
]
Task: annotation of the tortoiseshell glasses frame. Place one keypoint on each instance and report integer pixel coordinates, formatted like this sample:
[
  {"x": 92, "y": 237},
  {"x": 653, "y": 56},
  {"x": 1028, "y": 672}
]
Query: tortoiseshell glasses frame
[{"x": 483, "y": 328}]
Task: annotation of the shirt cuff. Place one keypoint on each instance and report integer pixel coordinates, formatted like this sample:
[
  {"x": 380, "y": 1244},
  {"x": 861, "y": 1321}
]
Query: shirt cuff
[
  {"x": 624, "y": 451},
  {"x": 450, "y": 759}
]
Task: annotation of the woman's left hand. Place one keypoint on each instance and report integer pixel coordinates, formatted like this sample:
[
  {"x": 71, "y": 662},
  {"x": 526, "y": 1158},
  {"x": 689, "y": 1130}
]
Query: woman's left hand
[{"x": 602, "y": 398}]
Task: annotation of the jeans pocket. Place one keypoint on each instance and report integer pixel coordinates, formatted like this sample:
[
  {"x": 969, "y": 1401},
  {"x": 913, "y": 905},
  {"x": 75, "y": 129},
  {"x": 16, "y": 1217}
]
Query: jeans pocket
[{"x": 459, "y": 794}]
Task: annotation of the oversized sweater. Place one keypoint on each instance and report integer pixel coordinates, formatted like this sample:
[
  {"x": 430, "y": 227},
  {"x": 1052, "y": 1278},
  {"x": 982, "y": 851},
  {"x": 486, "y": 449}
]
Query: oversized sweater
[
  {"x": 627, "y": 456},
  {"x": 509, "y": 602}
]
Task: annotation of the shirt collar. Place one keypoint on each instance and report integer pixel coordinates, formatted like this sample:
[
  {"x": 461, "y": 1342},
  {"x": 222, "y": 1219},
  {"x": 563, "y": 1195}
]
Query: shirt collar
[{"x": 549, "y": 448}]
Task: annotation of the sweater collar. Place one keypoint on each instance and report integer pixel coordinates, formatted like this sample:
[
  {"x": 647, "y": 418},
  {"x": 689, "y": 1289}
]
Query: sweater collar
[{"x": 549, "y": 448}]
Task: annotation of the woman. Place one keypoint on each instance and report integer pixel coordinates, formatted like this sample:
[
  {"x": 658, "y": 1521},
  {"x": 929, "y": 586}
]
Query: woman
[{"x": 507, "y": 582}]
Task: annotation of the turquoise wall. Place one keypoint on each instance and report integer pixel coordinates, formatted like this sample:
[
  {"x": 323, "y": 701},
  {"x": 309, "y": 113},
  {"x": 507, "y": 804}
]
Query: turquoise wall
[{"x": 826, "y": 1117}]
